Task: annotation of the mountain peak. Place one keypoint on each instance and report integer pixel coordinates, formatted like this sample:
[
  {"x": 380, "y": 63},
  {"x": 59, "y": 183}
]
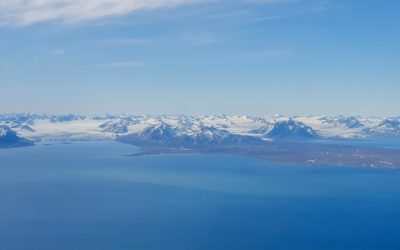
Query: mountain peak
[
  {"x": 292, "y": 129},
  {"x": 9, "y": 138}
]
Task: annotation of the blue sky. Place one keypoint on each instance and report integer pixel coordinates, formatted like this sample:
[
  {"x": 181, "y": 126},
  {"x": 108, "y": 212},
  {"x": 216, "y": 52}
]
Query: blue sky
[{"x": 200, "y": 56}]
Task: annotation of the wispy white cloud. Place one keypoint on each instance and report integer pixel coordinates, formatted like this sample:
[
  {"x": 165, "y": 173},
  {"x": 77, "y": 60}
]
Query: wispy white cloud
[
  {"x": 271, "y": 1},
  {"x": 229, "y": 14},
  {"x": 27, "y": 12}
]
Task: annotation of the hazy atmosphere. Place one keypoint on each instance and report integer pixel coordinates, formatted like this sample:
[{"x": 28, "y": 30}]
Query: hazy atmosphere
[{"x": 200, "y": 57}]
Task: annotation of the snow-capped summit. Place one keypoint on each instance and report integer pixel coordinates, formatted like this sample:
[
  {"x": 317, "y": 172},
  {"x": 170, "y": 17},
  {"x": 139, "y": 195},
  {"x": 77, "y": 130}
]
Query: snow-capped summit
[
  {"x": 388, "y": 127},
  {"x": 197, "y": 128},
  {"x": 4, "y": 130},
  {"x": 161, "y": 131},
  {"x": 9, "y": 138},
  {"x": 201, "y": 134},
  {"x": 119, "y": 126},
  {"x": 292, "y": 129},
  {"x": 66, "y": 118},
  {"x": 197, "y": 134},
  {"x": 349, "y": 122}
]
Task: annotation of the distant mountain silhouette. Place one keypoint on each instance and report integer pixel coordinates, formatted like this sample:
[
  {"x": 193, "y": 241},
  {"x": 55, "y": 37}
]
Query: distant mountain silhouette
[
  {"x": 9, "y": 138},
  {"x": 292, "y": 130}
]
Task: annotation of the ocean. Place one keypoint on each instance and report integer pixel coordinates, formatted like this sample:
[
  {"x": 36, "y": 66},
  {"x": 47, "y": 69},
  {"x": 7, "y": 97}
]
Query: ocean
[{"x": 93, "y": 196}]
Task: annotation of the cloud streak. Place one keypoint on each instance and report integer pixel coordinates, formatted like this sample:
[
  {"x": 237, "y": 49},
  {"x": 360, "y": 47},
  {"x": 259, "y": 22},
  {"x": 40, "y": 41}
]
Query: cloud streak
[{"x": 27, "y": 12}]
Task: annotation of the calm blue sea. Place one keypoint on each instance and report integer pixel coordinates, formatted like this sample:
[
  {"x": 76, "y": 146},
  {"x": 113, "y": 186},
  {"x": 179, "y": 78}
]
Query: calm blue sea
[{"x": 89, "y": 196}]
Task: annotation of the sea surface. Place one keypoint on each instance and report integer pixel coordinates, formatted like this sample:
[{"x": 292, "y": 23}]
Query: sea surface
[{"x": 91, "y": 196}]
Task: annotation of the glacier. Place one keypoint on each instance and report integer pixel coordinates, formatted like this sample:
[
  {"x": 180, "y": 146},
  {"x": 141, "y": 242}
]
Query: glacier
[
  {"x": 278, "y": 138},
  {"x": 108, "y": 127}
]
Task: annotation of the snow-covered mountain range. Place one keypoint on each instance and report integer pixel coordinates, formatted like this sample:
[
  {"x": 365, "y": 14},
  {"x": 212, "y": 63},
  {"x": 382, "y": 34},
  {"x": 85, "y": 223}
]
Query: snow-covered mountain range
[
  {"x": 197, "y": 129},
  {"x": 282, "y": 139}
]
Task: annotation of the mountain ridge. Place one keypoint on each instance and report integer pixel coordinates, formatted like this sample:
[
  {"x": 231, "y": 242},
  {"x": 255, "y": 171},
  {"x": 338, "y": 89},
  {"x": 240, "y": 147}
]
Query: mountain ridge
[{"x": 79, "y": 127}]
